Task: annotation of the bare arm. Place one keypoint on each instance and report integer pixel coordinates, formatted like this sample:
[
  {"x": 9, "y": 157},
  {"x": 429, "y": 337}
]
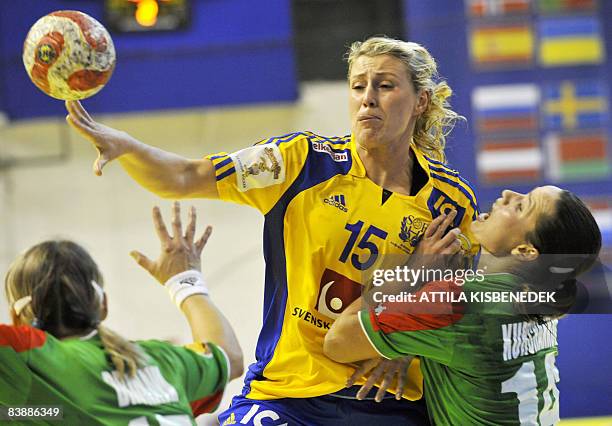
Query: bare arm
[
  {"x": 163, "y": 173},
  {"x": 208, "y": 324},
  {"x": 346, "y": 341},
  {"x": 181, "y": 253}
]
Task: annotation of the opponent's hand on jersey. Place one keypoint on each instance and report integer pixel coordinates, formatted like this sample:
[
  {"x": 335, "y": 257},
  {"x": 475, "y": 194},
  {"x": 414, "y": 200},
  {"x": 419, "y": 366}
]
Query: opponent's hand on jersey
[
  {"x": 434, "y": 242},
  {"x": 110, "y": 143},
  {"x": 385, "y": 369},
  {"x": 179, "y": 252}
]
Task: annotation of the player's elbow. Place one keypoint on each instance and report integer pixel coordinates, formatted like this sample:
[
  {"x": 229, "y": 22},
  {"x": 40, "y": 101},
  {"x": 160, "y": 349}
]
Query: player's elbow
[{"x": 336, "y": 348}]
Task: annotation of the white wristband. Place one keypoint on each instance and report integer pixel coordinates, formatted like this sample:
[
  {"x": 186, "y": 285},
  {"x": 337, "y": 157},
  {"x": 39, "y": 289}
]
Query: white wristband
[{"x": 185, "y": 284}]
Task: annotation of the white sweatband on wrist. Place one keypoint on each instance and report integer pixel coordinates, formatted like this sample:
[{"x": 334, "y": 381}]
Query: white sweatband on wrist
[{"x": 185, "y": 284}]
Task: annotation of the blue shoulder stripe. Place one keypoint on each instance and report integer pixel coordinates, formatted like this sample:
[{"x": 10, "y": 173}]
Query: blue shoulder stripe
[
  {"x": 447, "y": 171},
  {"x": 335, "y": 140},
  {"x": 460, "y": 188},
  {"x": 280, "y": 139},
  {"x": 226, "y": 173},
  {"x": 452, "y": 173},
  {"x": 223, "y": 163},
  {"x": 214, "y": 157}
]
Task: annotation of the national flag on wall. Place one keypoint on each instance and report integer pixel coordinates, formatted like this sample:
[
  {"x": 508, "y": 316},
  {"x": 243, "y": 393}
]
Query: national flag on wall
[
  {"x": 509, "y": 160},
  {"x": 502, "y": 45},
  {"x": 572, "y": 105},
  {"x": 506, "y": 108},
  {"x": 580, "y": 156},
  {"x": 570, "y": 41},
  {"x": 566, "y": 6},
  {"x": 602, "y": 212},
  {"x": 486, "y": 8}
]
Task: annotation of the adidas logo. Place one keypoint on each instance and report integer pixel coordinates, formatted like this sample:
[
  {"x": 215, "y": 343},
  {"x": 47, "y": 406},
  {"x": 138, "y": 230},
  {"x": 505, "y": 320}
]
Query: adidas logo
[
  {"x": 231, "y": 420},
  {"x": 336, "y": 201}
]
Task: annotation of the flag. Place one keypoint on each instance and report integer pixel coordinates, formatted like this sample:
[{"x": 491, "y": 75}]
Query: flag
[
  {"x": 510, "y": 160},
  {"x": 502, "y": 45},
  {"x": 581, "y": 156},
  {"x": 566, "y": 6},
  {"x": 602, "y": 212},
  {"x": 506, "y": 108},
  {"x": 570, "y": 41},
  {"x": 572, "y": 105},
  {"x": 485, "y": 8}
]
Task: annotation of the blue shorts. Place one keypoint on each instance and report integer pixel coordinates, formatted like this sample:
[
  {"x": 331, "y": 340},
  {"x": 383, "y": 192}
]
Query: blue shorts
[{"x": 326, "y": 410}]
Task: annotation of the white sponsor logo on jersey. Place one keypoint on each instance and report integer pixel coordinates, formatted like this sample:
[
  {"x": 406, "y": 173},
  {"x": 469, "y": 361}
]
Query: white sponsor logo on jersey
[{"x": 336, "y": 156}]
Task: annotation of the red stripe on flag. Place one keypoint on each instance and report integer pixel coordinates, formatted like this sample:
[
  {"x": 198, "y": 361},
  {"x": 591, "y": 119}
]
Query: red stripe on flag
[
  {"x": 515, "y": 123},
  {"x": 494, "y": 31},
  {"x": 585, "y": 149},
  {"x": 477, "y": 9},
  {"x": 515, "y": 6},
  {"x": 579, "y": 4},
  {"x": 599, "y": 204},
  {"x": 509, "y": 144},
  {"x": 512, "y": 175}
]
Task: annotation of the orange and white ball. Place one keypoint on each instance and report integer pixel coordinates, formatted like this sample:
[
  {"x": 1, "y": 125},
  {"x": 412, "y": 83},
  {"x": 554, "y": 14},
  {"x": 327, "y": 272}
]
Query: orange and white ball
[{"x": 69, "y": 55}]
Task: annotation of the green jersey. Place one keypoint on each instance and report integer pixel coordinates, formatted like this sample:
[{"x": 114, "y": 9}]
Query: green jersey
[
  {"x": 493, "y": 367},
  {"x": 76, "y": 375}
]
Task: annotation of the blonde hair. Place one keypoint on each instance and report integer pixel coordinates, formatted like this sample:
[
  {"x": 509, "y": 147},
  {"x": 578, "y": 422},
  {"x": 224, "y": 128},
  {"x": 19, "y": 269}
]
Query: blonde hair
[
  {"x": 438, "y": 119},
  {"x": 58, "y": 276}
]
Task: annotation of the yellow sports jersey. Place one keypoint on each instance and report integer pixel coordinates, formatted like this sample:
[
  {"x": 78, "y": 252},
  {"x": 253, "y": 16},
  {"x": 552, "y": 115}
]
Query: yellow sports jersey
[{"x": 327, "y": 227}]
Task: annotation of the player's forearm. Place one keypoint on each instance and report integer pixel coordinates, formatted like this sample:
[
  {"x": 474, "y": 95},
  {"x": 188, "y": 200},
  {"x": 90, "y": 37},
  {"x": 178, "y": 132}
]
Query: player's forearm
[
  {"x": 345, "y": 341},
  {"x": 208, "y": 324},
  {"x": 167, "y": 174}
]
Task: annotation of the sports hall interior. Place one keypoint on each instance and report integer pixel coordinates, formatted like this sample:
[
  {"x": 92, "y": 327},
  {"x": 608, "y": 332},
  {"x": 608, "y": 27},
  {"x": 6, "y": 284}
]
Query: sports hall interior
[{"x": 239, "y": 71}]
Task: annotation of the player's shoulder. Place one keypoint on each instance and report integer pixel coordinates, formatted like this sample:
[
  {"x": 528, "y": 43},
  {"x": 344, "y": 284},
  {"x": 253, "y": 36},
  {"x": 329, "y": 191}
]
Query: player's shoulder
[
  {"x": 307, "y": 138},
  {"x": 451, "y": 182},
  {"x": 21, "y": 338}
]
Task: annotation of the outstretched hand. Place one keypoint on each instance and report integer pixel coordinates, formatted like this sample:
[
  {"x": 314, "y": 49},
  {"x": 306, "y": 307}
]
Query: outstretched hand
[
  {"x": 179, "y": 252},
  {"x": 110, "y": 143}
]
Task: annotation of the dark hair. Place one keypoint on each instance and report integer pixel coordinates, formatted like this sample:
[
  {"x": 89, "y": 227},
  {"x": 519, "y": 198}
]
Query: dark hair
[
  {"x": 569, "y": 241},
  {"x": 58, "y": 275}
]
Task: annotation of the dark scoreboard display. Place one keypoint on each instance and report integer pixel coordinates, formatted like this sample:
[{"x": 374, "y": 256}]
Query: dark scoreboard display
[{"x": 147, "y": 15}]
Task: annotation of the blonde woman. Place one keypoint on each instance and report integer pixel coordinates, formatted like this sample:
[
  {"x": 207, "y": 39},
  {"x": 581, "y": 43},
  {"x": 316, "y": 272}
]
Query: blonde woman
[
  {"x": 335, "y": 208},
  {"x": 58, "y": 354}
]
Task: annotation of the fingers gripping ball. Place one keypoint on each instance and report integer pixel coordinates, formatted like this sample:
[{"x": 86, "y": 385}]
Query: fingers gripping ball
[{"x": 69, "y": 55}]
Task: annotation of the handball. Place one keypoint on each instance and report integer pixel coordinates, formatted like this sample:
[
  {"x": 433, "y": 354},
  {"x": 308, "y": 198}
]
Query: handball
[{"x": 69, "y": 55}]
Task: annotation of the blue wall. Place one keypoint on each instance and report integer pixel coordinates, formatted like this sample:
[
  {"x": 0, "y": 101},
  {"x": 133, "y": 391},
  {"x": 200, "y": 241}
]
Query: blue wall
[
  {"x": 441, "y": 25},
  {"x": 234, "y": 52},
  {"x": 585, "y": 352}
]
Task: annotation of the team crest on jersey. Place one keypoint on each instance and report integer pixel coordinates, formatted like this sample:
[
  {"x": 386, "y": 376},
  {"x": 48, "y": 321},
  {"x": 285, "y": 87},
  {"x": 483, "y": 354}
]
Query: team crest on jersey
[
  {"x": 336, "y": 293},
  {"x": 336, "y": 156},
  {"x": 337, "y": 201},
  {"x": 412, "y": 229},
  {"x": 258, "y": 167}
]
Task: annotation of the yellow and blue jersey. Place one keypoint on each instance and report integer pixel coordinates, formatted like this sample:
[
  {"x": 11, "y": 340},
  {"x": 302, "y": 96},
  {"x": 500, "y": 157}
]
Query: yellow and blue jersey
[{"x": 327, "y": 227}]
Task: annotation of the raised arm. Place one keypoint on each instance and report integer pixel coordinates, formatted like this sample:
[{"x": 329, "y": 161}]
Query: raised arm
[
  {"x": 163, "y": 173},
  {"x": 181, "y": 254}
]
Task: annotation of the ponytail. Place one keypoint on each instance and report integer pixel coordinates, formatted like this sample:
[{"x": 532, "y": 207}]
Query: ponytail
[{"x": 126, "y": 356}]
